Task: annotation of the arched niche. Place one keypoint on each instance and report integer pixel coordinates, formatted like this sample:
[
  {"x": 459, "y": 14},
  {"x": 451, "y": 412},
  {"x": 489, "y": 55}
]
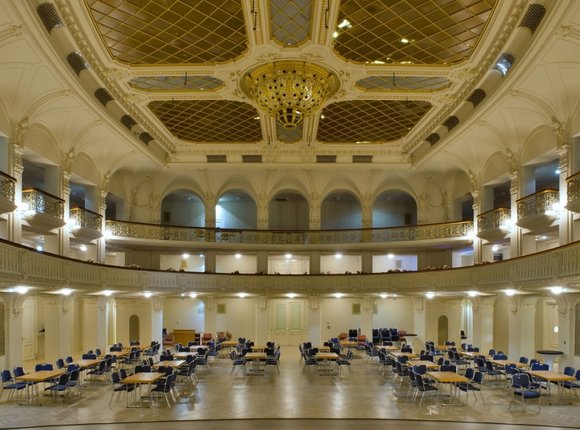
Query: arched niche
[
  {"x": 134, "y": 335},
  {"x": 236, "y": 209},
  {"x": 183, "y": 207},
  {"x": 288, "y": 210},
  {"x": 394, "y": 208},
  {"x": 340, "y": 210},
  {"x": 442, "y": 329}
]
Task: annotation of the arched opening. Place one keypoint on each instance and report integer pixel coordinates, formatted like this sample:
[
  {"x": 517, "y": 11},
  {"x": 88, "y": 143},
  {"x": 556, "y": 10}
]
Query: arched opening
[
  {"x": 394, "y": 208},
  {"x": 184, "y": 208},
  {"x": 134, "y": 328},
  {"x": 236, "y": 209},
  {"x": 442, "y": 329},
  {"x": 340, "y": 210},
  {"x": 288, "y": 211}
]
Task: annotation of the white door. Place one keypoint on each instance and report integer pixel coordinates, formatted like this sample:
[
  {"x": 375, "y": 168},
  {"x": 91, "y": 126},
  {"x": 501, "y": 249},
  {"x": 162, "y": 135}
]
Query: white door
[
  {"x": 288, "y": 322},
  {"x": 29, "y": 334}
]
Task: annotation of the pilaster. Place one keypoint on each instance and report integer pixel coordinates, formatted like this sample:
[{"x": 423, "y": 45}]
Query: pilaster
[
  {"x": 483, "y": 308},
  {"x": 210, "y": 314},
  {"x": 95, "y": 324},
  {"x": 314, "y": 319},
  {"x": 157, "y": 319}
]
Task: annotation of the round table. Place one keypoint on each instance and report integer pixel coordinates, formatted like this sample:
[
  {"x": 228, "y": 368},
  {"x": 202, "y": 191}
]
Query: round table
[{"x": 549, "y": 356}]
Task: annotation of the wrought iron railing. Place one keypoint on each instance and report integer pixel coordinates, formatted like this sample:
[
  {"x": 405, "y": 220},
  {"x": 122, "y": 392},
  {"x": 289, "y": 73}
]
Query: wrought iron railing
[
  {"x": 7, "y": 186},
  {"x": 573, "y": 187},
  {"x": 540, "y": 203},
  {"x": 39, "y": 201},
  {"x": 84, "y": 218},
  {"x": 443, "y": 231},
  {"x": 493, "y": 219}
]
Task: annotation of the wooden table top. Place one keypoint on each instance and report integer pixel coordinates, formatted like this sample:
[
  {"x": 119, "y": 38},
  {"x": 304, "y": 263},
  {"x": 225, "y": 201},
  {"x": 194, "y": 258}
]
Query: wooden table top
[
  {"x": 447, "y": 377},
  {"x": 120, "y": 353},
  {"x": 229, "y": 343},
  {"x": 255, "y": 356},
  {"x": 172, "y": 363},
  {"x": 503, "y": 363},
  {"x": 183, "y": 355},
  {"x": 40, "y": 376},
  {"x": 323, "y": 348},
  {"x": 258, "y": 348},
  {"x": 327, "y": 356},
  {"x": 401, "y": 354},
  {"x": 390, "y": 348},
  {"x": 83, "y": 364},
  {"x": 548, "y": 375},
  {"x": 349, "y": 343},
  {"x": 429, "y": 364},
  {"x": 143, "y": 378}
]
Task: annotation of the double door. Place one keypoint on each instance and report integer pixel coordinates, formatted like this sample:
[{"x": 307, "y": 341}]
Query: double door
[{"x": 288, "y": 322}]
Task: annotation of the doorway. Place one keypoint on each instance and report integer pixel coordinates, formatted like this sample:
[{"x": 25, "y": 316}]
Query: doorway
[
  {"x": 442, "y": 330},
  {"x": 134, "y": 328},
  {"x": 288, "y": 322}
]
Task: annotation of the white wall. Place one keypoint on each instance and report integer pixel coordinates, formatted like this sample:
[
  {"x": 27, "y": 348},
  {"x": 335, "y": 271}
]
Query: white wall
[
  {"x": 229, "y": 263},
  {"x": 384, "y": 263},
  {"x": 194, "y": 263},
  {"x": 183, "y": 314},
  {"x": 239, "y": 318},
  {"x": 186, "y": 213},
  {"x": 391, "y": 213},
  {"x": 290, "y": 215},
  {"x": 331, "y": 264},
  {"x": 337, "y": 317},
  {"x": 453, "y": 310},
  {"x": 236, "y": 214},
  {"x": 296, "y": 265},
  {"x": 501, "y": 325},
  {"x": 128, "y": 307},
  {"x": 340, "y": 214},
  {"x": 394, "y": 313}
]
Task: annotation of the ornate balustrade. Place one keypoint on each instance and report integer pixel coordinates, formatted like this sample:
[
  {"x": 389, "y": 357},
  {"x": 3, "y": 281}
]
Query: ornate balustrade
[
  {"x": 540, "y": 203},
  {"x": 41, "y": 202},
  {"x": 573, "y": 193},
  {"x": 20, "y": 265},
  {"x": 84, "y": 218},
  {"x": 443, "y": 231},
  {"x": 493, "y": 225},
  {"x": 7, "y": 193}
]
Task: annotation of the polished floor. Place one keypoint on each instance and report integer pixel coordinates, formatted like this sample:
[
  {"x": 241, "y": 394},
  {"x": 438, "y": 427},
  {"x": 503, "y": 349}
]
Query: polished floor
[{"x": 293, "y": 399}]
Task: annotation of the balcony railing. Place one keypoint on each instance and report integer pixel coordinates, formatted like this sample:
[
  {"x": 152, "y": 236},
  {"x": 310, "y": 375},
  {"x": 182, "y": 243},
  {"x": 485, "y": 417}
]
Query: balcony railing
[
  {"x": 84, "y": 218},
  {"x": 443, "y": 231},
  {"x": 541, "y": 203},
  {"x": 38, "y": 201},
  {"x": 7, "y": 186},
  {"x": 574, "y": 192},
  {"x": 493, "y": 219}
]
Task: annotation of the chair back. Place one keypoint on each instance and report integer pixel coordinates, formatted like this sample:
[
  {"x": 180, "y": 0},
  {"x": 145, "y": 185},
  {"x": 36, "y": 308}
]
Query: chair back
[
  {"x": 521, "y": 380},
  {"x": 60, "y": 363},
  {"x": 469, "y": 372},
  {"x": 540, "y": 366},
  {"x": 569, "y": 370},
  {"x": 478, "y": 377},
  {"x": 6, "y": 376},
  {"x": 18, "y": 371}
]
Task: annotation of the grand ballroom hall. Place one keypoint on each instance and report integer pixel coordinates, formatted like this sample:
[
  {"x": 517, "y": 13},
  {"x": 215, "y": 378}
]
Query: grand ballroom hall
[{"x": 362, "y": 176}]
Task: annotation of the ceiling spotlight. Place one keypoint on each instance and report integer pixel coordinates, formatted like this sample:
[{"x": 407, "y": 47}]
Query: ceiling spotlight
[
  {"x": 384, "y": 295},
  {"x": 345, "y": 23},
  {"x": 338, "y": 255},
  {"x": 21, "y": 289},
  {"x": 509, "y": 292},
  {"x": 338, "y": 295},
  {"x": 496, "y": 248},
  {"x": 557, "y": 290},
  {"x": 107, "y": 293},
  {"x": 390, "y": 256},
  {"x": 242, "y": 295},
  {"x": 472, "y": 293},
  {"x": 291, "y": 295},
  {"x": 39, "y": 248},
  {"x": 65, "y": 291},
  {"x": 185, "y": 255},
  {"x": 193, "y": 295},
  {"x": 238, "y": 256},
  {"x": 404, "y": 40},
  {"x": 287, "y": 256},
  {"x": 335, "y": 34},
  {"x": 430, "y": 294},
  {"x": 147, "y": 294}
]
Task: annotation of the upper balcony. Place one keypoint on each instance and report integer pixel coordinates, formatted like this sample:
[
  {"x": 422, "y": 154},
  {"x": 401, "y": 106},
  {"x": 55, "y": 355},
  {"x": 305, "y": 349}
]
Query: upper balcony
[
  {"x": 493, "y": 225},
  {"x": 428, "y": 234},
  {"x": 573, "y": 193},
  {"x": 7, "y": 193},
  {"x": 85, "y": 225},
  {"x": 538, "y": 212},
  {"x": 42, "y": 212}
]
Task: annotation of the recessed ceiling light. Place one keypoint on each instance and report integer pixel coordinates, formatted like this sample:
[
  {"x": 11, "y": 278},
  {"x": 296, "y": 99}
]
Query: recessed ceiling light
[
  {"x": 472, "y": 293},
  {"x": 390, "y": 256},
  {"x": 238, "y": 256},
  {"x": 335, "y": 34},
  {"x": 107, "y": 293},
  {"x": 338, "y": 295},
  {"x": 430, "y": 294},
  {"x": 193, "y": 295},
  {"x": 287, "y": 256},
  {"x": 322, "y": 116},
  {"x": 242, "y": 295},
  {"x": 557, "y": 290},
  {"x": 39, "y": 248},
  {"x": 345, "y": 23},
  {"x": 509, "y": 292},
  {"x": 338, "y": 255},
  {"x": 21, "y": 289},
  {"x": 65, "y": 291},
  {"x": 147, "y": 294},
  {"x": 83, "y": 248},
  {"x": 384, "y": 295},
  {"x": 185, "y": 255},
  {"x": 291, "y": 295}
]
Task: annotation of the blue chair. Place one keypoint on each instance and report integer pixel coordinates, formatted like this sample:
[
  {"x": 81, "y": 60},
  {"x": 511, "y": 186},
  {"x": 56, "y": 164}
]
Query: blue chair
[
  {"x": 473, "y": 386},
  {"x": 523, "y": 388},
  {"x": 423, "y": 388},
  {"x": 9, "y": 383},
  {"x": 118, "y": 387},
  {"x": 61, "y": 386},
  {"x": 165, "y": 388}
]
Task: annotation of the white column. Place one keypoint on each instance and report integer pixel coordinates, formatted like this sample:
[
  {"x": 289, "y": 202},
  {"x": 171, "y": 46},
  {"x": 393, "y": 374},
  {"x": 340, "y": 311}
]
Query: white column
[
  {"x": 366, "y": 316},
  {"x": 262, "y": 213},
  {"x": 514, "y": 327},
  {"x": 15, "y": 217},
  {"x": 483, "y": 309},
  {"x": 566, "y": 229},
  {"x": 477, "y": 242},
  {"x": 419, "y": 324},
  {"x": 314, "y": 320},
  {"x": 157, "y": 319},
  {"x": 262, "y": 320},
  {"x": 14, "y": 347},
  {"x": 566, "y": 326},
  {"x": 314, "y": 262},
  {"x": 102, "y": 210},
  {"x": 527, "y": 333},
  {"x": 210, "y": 314},
  {"x": 315, "y": 212},
  {"x": 95, "y": 323}
]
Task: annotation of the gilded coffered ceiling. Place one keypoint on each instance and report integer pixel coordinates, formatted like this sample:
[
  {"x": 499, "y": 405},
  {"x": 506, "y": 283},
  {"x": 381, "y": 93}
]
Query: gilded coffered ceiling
[{"x": 396, "y": 63}]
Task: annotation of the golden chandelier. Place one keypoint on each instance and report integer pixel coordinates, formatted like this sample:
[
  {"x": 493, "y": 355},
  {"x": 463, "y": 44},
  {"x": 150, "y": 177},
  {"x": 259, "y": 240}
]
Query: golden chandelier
[{"x": 289, "y": 90}]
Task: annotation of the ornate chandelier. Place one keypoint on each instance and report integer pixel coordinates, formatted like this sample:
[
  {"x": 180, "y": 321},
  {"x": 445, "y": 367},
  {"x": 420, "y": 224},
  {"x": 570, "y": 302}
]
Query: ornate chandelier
[{"x": 289, "y": 90}]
